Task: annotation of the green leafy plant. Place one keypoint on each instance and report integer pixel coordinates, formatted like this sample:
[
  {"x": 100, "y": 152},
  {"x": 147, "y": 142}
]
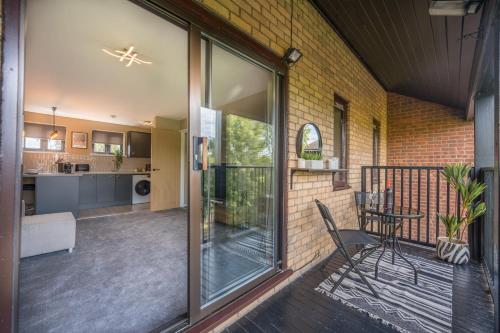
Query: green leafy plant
[
  {"x": 118, "y": 159},
  {"x": 312, "y": 155},
  {"x": 458, "y": 176}
]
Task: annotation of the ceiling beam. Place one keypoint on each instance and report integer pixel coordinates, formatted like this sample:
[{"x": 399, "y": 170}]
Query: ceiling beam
[{"x": 480, "y": 62}]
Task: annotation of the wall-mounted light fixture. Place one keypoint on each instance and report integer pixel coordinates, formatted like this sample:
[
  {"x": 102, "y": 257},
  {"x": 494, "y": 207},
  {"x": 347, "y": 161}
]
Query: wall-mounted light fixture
[
  {"x": 128, "y": 55},
  {"x": 454, "y": 8},
  {"x": 293, "y": 54}
]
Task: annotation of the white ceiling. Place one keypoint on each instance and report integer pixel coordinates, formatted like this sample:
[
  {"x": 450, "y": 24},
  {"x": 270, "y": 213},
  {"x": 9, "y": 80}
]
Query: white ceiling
[{"x": 66, "y": 67}]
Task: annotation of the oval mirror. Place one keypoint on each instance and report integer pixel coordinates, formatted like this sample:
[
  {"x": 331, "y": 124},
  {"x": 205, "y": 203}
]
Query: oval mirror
[{"x": 309, "y": 140}]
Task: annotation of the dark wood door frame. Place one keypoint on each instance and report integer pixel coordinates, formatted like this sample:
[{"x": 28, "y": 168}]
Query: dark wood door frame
[
  {"x": 11, "y": 128},
  {"x": 496, "y": 171},
  {"x": 10, "y": 161}
]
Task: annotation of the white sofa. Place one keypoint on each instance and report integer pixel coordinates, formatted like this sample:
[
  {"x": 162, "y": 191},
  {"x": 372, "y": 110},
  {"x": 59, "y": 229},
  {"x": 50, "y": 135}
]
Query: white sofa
[{"x": 47, "y": 233}]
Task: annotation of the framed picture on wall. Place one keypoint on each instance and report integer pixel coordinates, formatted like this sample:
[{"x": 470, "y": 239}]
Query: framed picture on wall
[{"x": 79, "y": 140}]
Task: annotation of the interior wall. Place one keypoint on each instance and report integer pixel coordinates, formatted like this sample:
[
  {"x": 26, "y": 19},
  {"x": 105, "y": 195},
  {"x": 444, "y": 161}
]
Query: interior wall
[
  {"x": 45, "y": 160},
  {"x": 80, "y": 125}
]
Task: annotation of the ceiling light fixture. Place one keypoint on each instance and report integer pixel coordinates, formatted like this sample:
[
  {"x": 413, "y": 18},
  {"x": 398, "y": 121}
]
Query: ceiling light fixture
[
  {"x": 127, "y": 55},
  {"x": 53, "y": 134},
  {"x": 454, "y": 7},
  {"x": 292, "y": 55}
]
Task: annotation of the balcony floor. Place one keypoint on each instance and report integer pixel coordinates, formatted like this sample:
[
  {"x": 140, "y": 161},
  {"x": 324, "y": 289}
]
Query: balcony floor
[{"x": 299, "y": 308}]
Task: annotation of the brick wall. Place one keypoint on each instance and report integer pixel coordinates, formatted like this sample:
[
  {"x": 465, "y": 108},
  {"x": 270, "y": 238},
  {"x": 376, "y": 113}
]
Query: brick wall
[
  {"x": 327, "y": 67},
  {"x": 424, "y": 133}
]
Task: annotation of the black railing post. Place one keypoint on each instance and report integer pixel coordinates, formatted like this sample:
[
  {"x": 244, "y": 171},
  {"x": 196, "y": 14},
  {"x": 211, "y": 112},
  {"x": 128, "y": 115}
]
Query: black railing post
[
  {"x": 363, "y": 179},
  {"x": 438, "y": 185},
  {"x": 427, "y": 206}
]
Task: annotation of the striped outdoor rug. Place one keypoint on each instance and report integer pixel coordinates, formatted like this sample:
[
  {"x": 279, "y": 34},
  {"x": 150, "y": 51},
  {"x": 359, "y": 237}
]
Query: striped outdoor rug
[{"x": 426, "y": 307}]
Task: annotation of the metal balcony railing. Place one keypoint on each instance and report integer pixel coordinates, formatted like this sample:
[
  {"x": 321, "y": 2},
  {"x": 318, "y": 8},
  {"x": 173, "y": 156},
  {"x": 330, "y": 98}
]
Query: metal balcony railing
[{"x": 421, "y": 188}]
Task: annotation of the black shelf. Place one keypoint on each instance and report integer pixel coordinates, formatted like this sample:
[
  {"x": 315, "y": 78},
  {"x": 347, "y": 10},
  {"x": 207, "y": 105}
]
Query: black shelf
[{"x": 332, "y": 171}]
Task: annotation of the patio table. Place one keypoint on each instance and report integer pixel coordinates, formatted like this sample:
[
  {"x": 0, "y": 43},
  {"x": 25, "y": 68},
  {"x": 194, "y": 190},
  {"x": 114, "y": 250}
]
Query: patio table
[{"x": 391, "y": 217}]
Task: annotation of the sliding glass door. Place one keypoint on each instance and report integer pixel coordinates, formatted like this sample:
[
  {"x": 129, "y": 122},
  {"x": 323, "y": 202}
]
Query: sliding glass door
[{"x": 235, "y": 162}]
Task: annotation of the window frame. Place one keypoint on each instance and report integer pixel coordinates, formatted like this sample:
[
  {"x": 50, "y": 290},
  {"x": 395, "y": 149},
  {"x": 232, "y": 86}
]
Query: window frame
[
  {"x": 341, "y": 180},
  {"x": 107, "y": 146},
  {"x": 44, "y": 142}
]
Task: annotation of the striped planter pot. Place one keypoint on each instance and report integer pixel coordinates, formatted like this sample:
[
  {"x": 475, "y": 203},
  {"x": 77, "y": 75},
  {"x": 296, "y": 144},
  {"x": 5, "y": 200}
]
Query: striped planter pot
[{"x": 456, "y": 253}]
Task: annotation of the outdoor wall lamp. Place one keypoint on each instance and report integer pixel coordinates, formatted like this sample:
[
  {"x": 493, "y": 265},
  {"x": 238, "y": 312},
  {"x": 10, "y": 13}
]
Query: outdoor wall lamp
[
  {"x": 454, "y": 8},
  {"x": 292, "y": 55}
]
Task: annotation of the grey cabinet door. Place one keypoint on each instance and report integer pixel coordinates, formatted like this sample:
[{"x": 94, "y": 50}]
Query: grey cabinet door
[
  {"x": 56, "y": 194},
  {"x": 88, "y": 189},
  {"x": 105, "y": 188},
  {"x": 123, "y": 188}
]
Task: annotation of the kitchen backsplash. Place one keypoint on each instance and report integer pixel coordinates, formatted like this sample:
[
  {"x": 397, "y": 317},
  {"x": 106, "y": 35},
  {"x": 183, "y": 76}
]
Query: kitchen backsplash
[{"x": 45, "y": 162}]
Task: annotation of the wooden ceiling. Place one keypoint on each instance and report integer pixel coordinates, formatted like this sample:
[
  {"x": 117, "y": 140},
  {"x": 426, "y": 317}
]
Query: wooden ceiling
[{"x": 409, "y": 51}]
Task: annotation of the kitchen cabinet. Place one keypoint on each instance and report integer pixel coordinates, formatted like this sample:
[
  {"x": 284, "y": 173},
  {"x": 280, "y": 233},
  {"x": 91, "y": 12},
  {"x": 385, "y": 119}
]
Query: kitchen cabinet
[
  {"x": 88, "y": 189},
  {"x": 56, "y": 194},
  {"x": 138, "y": 144},
  {"x": 70, "y": 193},
  {"x": 123, "y": 188},
  {"x": 105, "y": 188}
]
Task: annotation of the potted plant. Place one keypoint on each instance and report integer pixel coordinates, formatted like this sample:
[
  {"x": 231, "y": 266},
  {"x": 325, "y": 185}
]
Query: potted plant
[
  {"x": 313, "y": 159},
  {"x": 453, "y": 248},
  {"x": 118, "y": 159}
]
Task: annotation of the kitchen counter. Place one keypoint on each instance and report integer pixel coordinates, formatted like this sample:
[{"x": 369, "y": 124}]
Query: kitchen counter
[{"x": 78, "y": 174}]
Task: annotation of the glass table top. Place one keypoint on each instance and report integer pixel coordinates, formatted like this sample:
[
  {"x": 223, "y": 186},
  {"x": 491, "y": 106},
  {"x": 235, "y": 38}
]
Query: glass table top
[{"x": 394, "y": 211}]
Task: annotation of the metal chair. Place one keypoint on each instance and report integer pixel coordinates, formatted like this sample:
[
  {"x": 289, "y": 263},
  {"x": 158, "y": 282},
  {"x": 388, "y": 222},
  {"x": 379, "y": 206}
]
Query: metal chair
[
  {"x": 363, "y": 198},
  {"x": 377, "y": 199},
  {"x": 344, "y": 239}
]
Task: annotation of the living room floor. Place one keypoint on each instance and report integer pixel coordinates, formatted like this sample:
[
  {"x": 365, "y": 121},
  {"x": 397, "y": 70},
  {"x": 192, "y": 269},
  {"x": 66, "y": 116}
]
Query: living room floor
[{"x": 127, "y": 273}]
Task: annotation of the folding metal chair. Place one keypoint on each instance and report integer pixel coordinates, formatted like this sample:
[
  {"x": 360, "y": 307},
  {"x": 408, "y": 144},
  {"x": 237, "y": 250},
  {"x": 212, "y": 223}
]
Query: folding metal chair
[
  {"x": 345, "y": 238},
  {"x": 363, "y": 198}
]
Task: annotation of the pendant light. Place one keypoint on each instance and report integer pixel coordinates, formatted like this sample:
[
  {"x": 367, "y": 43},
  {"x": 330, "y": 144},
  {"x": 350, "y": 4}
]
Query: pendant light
[
  {"x": 53, "y": 134},
  {"x": 292, "y": 55}
]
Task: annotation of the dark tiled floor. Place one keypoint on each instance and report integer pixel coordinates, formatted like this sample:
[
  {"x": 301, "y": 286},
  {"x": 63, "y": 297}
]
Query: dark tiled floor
[{"x": 298, "y": 308}]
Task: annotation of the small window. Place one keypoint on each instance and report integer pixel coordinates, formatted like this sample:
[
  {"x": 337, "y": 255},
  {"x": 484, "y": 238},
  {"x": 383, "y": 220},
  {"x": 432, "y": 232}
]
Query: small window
[
  {"x": 340, "y": 140},
  {"x": 33, "y": 143},
  {"x": 55, "y": 145},
  {"x": 376, "y": 149},
  {"x": 37, "y": 138},
  {"x": 106, "y": 143},
  {"x": 99, "y": 148}
]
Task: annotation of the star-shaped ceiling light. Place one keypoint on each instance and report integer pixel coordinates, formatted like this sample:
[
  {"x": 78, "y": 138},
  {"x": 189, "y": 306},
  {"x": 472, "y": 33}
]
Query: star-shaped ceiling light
[{"x": 128, "y": 56}]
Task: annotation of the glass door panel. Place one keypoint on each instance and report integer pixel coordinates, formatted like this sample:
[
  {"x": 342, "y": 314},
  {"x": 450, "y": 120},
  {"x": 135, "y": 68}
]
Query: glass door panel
[{"x": 238, "y": 188}]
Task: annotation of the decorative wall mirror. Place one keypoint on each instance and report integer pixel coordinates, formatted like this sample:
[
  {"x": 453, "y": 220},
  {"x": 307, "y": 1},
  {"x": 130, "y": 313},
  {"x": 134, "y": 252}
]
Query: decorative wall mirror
[{"x": 309, "y": 139}]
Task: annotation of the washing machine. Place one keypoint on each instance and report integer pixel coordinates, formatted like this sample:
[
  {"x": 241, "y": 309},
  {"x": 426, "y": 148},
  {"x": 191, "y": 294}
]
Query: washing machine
[{"x": 141, "y": 188}]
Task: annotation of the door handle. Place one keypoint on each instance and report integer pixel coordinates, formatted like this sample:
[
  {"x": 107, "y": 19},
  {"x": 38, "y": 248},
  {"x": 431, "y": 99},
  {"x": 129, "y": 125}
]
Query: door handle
[
  {"x": 156, "y": 169},
  {"x": 200, "y": 153}
]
